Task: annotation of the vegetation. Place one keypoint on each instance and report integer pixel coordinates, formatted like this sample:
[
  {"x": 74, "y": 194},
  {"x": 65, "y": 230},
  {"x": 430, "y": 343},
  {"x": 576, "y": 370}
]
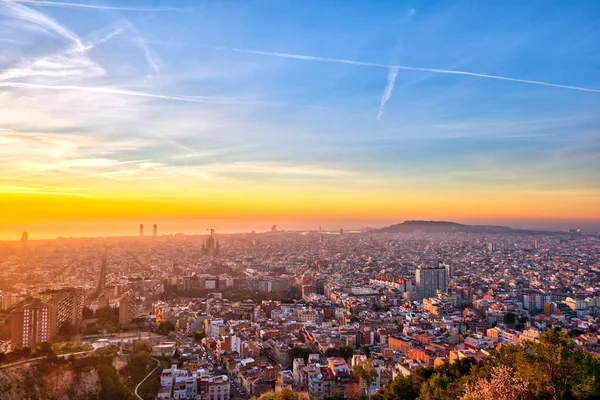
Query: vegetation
[
  {"x": 70, "y": 347},
  {"x": 366, "y": 373},
  {"x": 199, "y": 335},
  {"x": 345, "y": 352},
  {"x": 166, "y": 327},
  {"x": 43, "y": 349},
  {"x": 285, "y": 394},
  {"x": 549, "y": 369},
  {"x": 365, "y": 350},
  {"x": 302, "y": 352}
]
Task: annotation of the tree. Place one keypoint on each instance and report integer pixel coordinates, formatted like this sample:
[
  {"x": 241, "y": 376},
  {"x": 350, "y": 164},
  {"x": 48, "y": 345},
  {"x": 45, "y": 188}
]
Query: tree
[
  {"x": 166, "y": 327},
  {"x": 301, "y": 352},
  {"x": 366, "y": 373},
  {"x": 285, "y": 394},
  {"x": 502, "y": 385},
  {"x": 199, "y": 335},
  {"x": 365, "y": 350}
]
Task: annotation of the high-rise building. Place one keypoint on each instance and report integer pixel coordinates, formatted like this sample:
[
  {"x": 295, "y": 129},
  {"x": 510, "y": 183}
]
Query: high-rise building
[
  {"x": 66, "y": 306},
  {"x": 24, "y": 243},
  {"x": 492, "y": 247},
  {"x": 274, "y": 228},
  {"x": 102, "y": 279},
  {"x": 430, "y": 280},
  {"x": 155, "y": 230},
  {"x": 449, "y": 272},
  {"x": 31, "y": 324},
  {"x": 40, "y": 320},
  {"x": 141, "y": 230},
  {"x": 535, "y": 244},
  {"x": 126, "y": 308}
]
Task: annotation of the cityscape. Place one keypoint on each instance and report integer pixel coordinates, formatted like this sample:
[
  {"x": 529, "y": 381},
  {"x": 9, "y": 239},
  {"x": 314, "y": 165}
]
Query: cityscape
[
  {"x": 241, "y": 315},
  {"x": 299, "y": 200}
]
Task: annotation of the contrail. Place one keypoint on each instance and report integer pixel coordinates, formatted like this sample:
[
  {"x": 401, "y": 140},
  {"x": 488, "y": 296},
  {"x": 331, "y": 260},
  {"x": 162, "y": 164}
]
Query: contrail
[
  {"x": 29, "y": 68},
  {"x": 388, "y": 90},
  {"x": 110, "y": 90},
  {"x": 403, "y": 67},
  {"x": 19, "y": 11},
  {"x": 44, "y": 3}
]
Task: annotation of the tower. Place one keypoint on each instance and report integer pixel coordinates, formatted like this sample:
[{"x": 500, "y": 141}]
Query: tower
[
  {"x": 102, "y": 280},
  {"x": 430, "y": 280},
  {"x": 141, "y": 230},
  {"x": 492, "y": 247},
  {"x": 24, "y": 243},
  {"x": 155, "y": 230},
  {"x": 31, "y": 324},
  {"x": 209, "y": 246}
]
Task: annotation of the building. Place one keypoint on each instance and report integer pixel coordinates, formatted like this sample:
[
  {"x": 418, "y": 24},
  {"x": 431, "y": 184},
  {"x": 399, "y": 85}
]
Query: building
[
  {"x": 492, "y": 247},
  {"x": 24, "y": 243},
  {"x": 66, "y": 308},
  {"x": 102, "y": 280},
  {"x": 31, "y": 324},
  {"x": 213, "y": 388},
  {"x": 431, "y": 279},
  {"x": 155, "y": 230},
  {"x": 141, "y": 230},
  {"x": 126, "y": 308}
]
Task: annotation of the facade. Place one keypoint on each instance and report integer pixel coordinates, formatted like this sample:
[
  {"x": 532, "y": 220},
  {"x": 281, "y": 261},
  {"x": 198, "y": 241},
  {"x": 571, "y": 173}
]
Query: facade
[
  {"x": 431, "y": 279},
  {"x": 126, "y": 309},
  {"x": 41, "y": 320},
  {"x": 31, "y": 325}
]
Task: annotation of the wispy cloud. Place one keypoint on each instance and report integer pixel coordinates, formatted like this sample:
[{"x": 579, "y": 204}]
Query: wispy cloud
[
  {"x": 43, "y": 3},
  {"x": 402, "y": 67},
  {"x": 387, "y": 94},
  {"x": 112, "y": 90},
  {"x": 19, "y": 11}
]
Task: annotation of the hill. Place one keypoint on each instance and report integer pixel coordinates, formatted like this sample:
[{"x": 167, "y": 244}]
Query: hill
[{"x": 445, "y": 226}]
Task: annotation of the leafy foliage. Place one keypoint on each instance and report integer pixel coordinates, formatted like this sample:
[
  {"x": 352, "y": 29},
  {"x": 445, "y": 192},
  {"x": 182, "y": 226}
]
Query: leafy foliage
[
  {"x": 549, "y": 369},
  {"x": 302, "y": 352},
  {"x": 345, "y": 352},
  {"x": 285, "y": 394}
]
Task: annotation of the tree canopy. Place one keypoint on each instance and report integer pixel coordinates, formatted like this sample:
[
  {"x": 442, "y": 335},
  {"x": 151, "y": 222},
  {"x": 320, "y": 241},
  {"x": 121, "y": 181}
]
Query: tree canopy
[{"x": 551, "y": 368}]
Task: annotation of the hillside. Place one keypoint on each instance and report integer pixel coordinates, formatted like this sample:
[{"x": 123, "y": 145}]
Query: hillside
[{"x": 445, "y": 226}]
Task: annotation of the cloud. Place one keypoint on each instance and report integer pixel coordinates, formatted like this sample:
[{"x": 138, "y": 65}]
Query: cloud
[
  {"x": 16, "y": 10},
  {"x": 43, "y": 3},
  {"x": 402, "y": 67},
  {"x": 112, "y": 90},
  {"x": 387, "y": 94}
]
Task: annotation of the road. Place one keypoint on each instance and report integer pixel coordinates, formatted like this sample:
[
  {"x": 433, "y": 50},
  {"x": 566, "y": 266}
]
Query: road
[{"x": 147, "y": 376}]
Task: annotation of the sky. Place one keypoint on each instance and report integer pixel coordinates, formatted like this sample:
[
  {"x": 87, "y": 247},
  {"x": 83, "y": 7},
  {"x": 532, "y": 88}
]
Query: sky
[{"x": 238, "y": 115}]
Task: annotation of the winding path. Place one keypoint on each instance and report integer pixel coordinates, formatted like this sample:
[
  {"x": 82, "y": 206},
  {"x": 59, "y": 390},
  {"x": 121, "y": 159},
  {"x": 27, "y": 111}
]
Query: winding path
[{"x": 147, "y": 376}]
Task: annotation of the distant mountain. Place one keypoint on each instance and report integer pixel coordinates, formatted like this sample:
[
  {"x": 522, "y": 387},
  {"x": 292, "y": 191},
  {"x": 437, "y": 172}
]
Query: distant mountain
[{"x": 445, "y": 226}]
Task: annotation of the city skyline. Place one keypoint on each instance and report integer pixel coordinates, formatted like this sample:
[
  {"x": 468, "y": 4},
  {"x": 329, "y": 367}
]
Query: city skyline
[{"x": 193, "y": 114}]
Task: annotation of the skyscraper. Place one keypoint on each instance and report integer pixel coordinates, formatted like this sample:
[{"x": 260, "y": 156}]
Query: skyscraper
[
  {"x": 126, "y": 308},
  {"x": 155, "y": 230},
  {"x": 430, "y": 280},
  {"x": 141, "y": 230},
  {"x": 102, "y": 280},
  {"x": 24, "y": 243},
  {"x": 31, "y": 324},
  {"x": 492, "y": 247}
]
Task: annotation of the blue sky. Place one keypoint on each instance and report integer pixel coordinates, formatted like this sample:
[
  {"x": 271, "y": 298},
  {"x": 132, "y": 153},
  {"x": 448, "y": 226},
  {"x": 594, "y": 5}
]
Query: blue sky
[{"x": 352, "y": 95}]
